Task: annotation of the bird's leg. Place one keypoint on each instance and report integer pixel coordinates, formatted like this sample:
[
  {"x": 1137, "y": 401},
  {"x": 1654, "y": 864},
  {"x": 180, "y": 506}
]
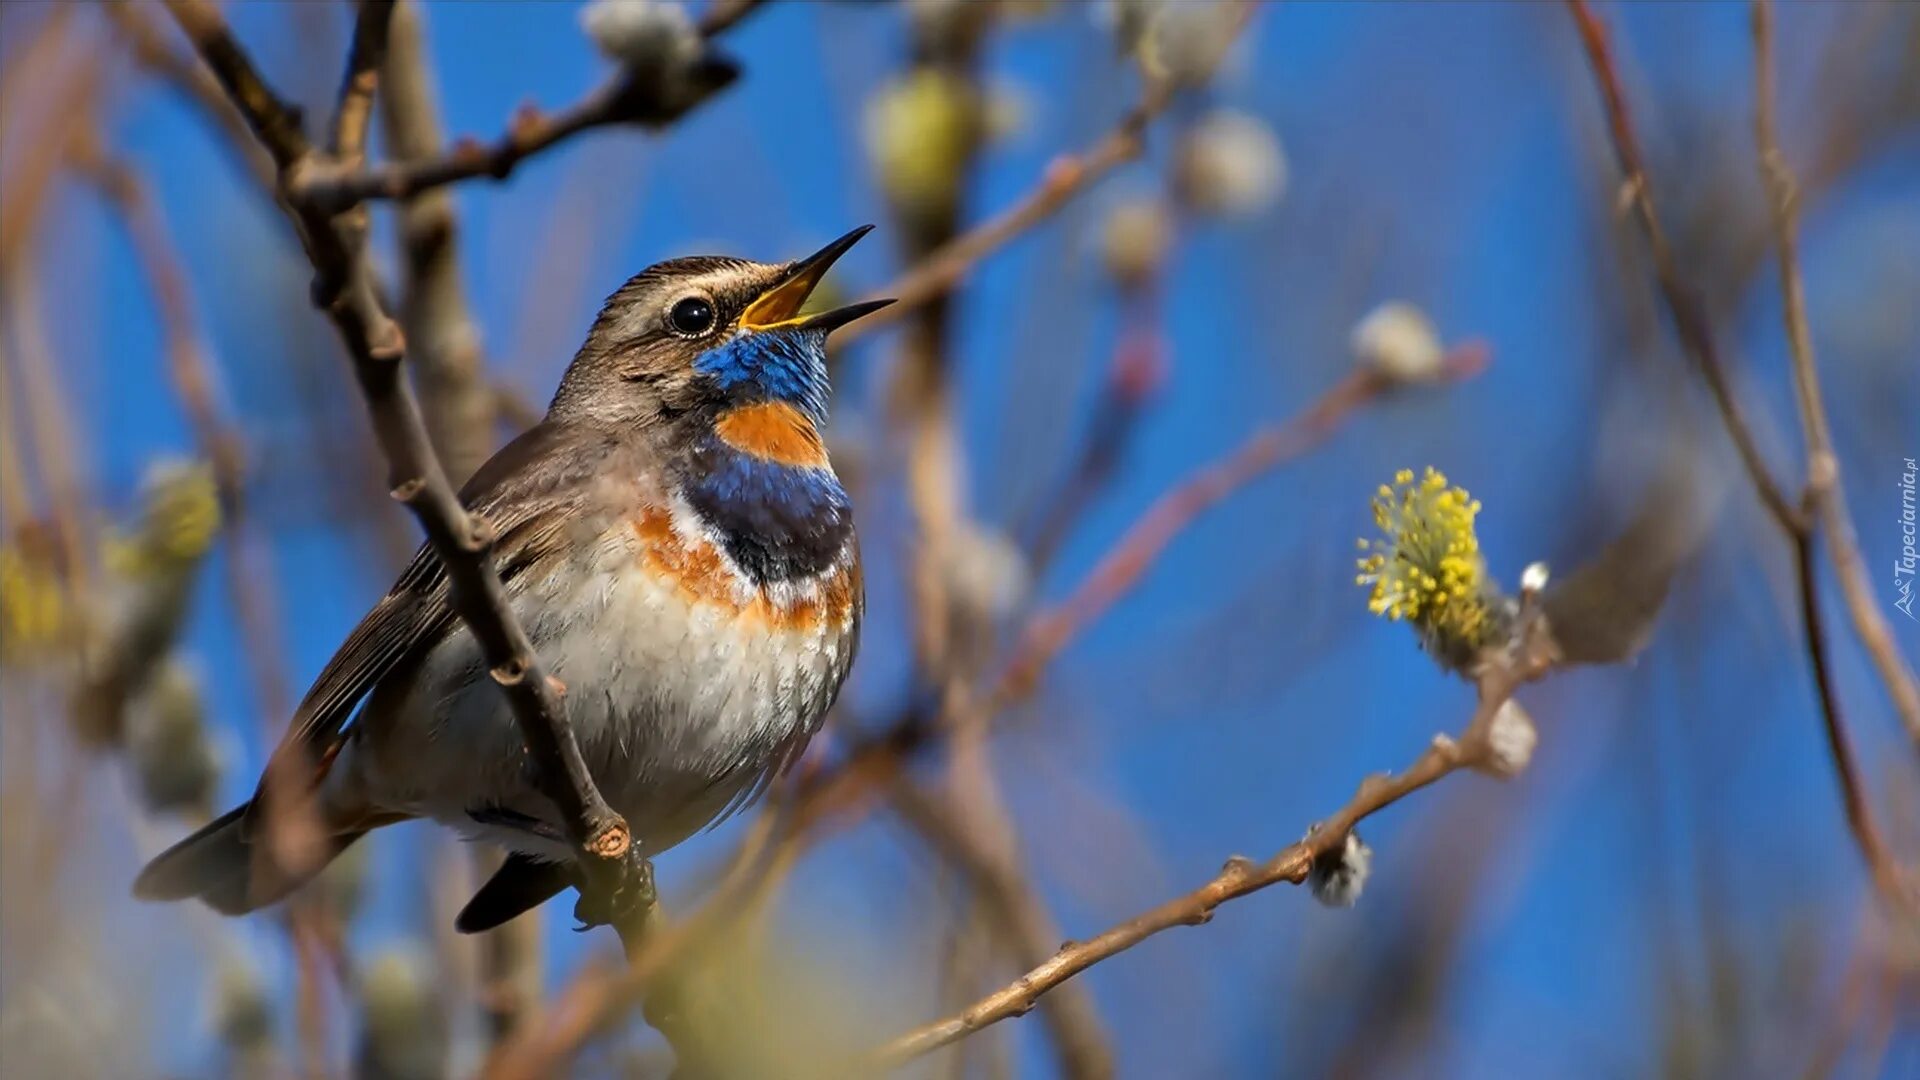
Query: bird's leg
[{"x": 617, "y": 892}]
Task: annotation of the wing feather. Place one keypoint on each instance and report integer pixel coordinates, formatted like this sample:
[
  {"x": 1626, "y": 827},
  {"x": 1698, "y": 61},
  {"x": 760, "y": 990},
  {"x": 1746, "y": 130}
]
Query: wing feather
[{"x": 528, "y": 491}]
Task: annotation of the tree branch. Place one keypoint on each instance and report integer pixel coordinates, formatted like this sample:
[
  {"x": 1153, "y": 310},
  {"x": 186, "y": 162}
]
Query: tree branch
[
  {"x": 1241, "y": 876},
  {"x": 344, "y": 290},
  {"x": 1828, "y": 496},
  {"x": 1683, "y": 302},
  {"x": 1795, "y": 521},
  {"x": 630, "y": 97}
]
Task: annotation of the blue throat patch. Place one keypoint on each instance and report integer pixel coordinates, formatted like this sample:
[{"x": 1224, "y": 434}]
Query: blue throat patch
[
  {"x": 772, "y": 365},
  {"x": 777, "y": 521}
]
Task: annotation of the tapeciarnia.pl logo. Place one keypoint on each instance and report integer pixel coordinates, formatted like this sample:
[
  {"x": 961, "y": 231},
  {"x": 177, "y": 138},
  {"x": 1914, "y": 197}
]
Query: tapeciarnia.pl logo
[{"x": 1904, "y": 566}]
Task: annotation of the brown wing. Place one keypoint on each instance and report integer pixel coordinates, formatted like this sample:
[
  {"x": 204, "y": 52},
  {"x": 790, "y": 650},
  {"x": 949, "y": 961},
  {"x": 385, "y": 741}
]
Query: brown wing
[{"x": 528, "y": 492}]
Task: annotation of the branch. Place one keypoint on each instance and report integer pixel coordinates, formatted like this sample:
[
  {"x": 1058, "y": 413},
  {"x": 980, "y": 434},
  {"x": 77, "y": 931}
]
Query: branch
[
  {"x": 344, "y": 290},
  {"x": 1052, "y": 629},
  {"x": 1683, "y": 303},
  {"x": 630, "y": 97},
  {"x": 143, "y": 39},
  {"x": 952, "y": 826},
  {"x": 1823, "y": 465},
  {"x": 191, "y": 371},
  {"x": 439, "y": 324},
  {"x": 1240, "y": 876}
]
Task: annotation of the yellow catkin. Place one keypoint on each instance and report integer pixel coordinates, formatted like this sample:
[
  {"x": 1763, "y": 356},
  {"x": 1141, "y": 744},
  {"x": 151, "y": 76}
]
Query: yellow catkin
[{"x": 1426, "y": 567}]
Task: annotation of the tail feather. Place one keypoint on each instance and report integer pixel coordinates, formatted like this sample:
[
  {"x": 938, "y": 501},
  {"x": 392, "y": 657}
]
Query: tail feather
[
  {"x": 521, "y": 884},
  {"x": 222, "y": 865}
]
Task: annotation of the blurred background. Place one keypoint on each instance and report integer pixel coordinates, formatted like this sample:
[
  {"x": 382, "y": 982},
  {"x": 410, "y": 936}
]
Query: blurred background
[{"x": 196, "y": 514}]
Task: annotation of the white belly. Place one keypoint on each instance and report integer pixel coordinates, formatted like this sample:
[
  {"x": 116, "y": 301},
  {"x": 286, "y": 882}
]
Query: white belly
[{"x": 682, "y": 698}]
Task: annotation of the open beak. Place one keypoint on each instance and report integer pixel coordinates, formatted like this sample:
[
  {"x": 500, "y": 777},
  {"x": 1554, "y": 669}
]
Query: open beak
[{"x": 780, "y": 305}]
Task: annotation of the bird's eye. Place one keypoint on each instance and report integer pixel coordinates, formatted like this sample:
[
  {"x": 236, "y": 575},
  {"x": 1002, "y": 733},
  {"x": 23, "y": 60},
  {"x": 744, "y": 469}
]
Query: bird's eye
[{"x": 691, "y": 316}]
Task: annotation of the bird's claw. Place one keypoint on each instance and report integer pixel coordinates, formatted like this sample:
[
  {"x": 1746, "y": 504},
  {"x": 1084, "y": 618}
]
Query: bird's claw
[{"x": 616, "y": 893}]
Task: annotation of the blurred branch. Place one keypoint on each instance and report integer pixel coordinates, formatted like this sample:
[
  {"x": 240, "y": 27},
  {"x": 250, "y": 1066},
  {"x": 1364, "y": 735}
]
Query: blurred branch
[
  {"x": 1683, "y": 302},
  {"x": 1825, "y": 493},
  {"x": 1691, "y": 323},
  {"x": 434, "y": 313},
  {"x": 344, "y": 289},
  {"x": 1531, "y": 659},
  {"x": 1129, "y": 559},
  {"x": 951, "y": 825},
  {"x": 145, "y": 41},
  {"x": 1064, "y": 177},
  {"x": 191, "y": 371},
  {"x": 44, "y": 72}
]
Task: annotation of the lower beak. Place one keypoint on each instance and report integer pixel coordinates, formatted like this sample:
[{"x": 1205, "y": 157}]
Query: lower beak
[
  {"x": 829, "y": 321},
  {"x": 780, "y": 305}
]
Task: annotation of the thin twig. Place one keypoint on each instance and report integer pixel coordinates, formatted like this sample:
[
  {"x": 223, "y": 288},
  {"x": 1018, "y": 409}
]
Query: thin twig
[
  {"x": 980, "y": 851},
  {"x": 1683, "y": 302},
  {"x": 191, "y": 371},
  {"x": 1129, "y": 559},
  {"x": 457, "y": 404},
  {"x": 441, "y": 331},
  {"x": 1064, "y": 177},
  {"x": 1239, "y": 877},
  {"x": 1795, "y": 521},
  {"x": 185, "y": 74},
  {"x": 629, "y": 97},
  {"x": 1828, "y": 495},
  {"x": 1892, "y": 884},
  {"x": 344, "y": 290}
]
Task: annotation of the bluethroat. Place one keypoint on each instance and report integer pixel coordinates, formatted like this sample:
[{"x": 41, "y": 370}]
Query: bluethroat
[{"x": 683, "y": 557}]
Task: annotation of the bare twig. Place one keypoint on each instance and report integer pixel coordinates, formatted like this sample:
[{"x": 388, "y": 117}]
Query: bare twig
[
  {"x": 144, "y": 40},
  {"x": 1064, "y": 177},
  {"x": 457, "y": 404},
  {"x": 1240, "y": 876},
  {"x": 1795, "y": 521},
  {"x": 982, "y": 852},
  {"x": 191, "y": 372},
  {"x": 627, "y": 98},
  {"x": 441, "y": 332},
  {"x": 1827, "y": 494},
  {"x": 344, "y": 289},
  {"x": 1128, "y": 560},
  {"x": 1683, "y": 302}
]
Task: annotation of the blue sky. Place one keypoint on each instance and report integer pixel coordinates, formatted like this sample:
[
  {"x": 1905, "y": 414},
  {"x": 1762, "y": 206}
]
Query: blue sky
[{"x": 1446, "y": 154}]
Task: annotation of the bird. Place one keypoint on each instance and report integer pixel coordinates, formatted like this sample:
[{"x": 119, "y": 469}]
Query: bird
[{"x": 675, "y": 541}]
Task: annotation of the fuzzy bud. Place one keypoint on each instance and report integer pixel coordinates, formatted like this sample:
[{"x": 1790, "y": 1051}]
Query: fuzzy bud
[
  {"x": 403, "y": 1021},
  {"x": 920, "y": 131},
  {"x": 1338, "y": 876},
  {"x": 1511, "y": 738},
  {"x": 1230, "y": 164},
  {"x": 1397, "y": 341},
  {"x": 173, "y": 760},
  {"x": 242, "y": 1012},
  {"x": 1134, "y": 240},
  {"x": 1183, "y": 44},
  {"x": 642, "y": 35},
  {"x": 986, "y": 574}
]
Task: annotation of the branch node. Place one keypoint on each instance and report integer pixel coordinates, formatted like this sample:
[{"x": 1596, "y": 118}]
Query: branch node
[{"x": 510, "y": 674}]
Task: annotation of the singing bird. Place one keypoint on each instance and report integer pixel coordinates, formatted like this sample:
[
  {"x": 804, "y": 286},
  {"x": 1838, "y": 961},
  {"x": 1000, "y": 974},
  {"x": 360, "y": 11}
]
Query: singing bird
[{"x": 675, "y": 542}]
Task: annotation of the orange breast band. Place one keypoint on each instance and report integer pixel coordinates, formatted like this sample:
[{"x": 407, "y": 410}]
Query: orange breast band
[{"x": 775, "y": 431}]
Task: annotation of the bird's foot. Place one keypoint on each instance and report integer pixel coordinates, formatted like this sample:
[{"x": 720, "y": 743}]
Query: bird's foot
[{"x": 617, "y": 893}]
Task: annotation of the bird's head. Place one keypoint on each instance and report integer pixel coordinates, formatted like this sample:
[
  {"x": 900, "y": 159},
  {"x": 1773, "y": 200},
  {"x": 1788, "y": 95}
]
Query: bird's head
[{"x": 705, "y": 336}]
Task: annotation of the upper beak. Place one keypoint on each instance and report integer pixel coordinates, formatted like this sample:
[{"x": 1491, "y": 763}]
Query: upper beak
[{"x": 780, "y": 305}]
